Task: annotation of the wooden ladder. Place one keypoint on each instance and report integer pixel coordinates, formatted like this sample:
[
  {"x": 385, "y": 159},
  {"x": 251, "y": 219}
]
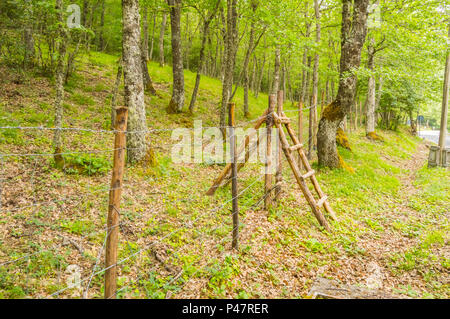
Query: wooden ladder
[{"x": 301, "y": 178}]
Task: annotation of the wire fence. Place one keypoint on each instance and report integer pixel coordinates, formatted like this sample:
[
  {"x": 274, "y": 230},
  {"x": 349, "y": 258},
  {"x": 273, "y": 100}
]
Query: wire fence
[
  {"x": 60, "y": 209},
  {"x": 54, "y": 226}
]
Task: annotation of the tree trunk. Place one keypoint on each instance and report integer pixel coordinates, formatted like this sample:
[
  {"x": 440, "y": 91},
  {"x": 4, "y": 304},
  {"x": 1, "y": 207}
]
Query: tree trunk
[
  {"x": 231, "y": 42},
  {"x": 315, "y": 74},
  {"x": 116, "y": 92},
  {"x": 147, "y": 80},
  {"x": 59, "y": 79},
  {"x": 145, "y": 35},
  {"x": 152, "y": 40},
  {"x": 245, "y": 68},
  {"x": 305, "y": 71},
  {"x": 353, "y": 34},
  {"x": 134, "y": 89},
  {"x": 177, "y": 102},
  {"x": 101, "y": 39},
  {"x": 28, "y": 36},
  {"x": 310, "y": 111},
  {"x": 260, "y": 78},
  {"x": 276, "y": 71},
  {"x": 370, "y": 101},
  {"x": 444, "y": 111},
  {"x": 201, "y": 59},
  {"x": 161, "y": 39}
]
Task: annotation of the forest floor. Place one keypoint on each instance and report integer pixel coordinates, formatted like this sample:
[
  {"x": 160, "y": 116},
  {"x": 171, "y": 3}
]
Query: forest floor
[{"x": 392, "y": 233}]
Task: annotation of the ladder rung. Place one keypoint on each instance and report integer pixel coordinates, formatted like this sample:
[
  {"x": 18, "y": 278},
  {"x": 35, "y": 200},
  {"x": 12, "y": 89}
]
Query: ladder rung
[
  {"x": 296, "y": 147},
  {"x": 322, "y": 201},
  {"x": 309, "y": 174},
  {"x": 285, "y": 120}
]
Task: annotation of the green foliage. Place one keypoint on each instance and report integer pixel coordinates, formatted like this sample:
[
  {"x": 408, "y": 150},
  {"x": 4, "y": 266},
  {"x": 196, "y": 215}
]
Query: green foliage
[{"x": 86, "y": 164}]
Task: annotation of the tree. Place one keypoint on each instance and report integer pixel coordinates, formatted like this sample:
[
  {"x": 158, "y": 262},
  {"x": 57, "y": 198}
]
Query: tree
[
  {"x": 59, "y": 79},
  {"x": 134, "y": 89},
  {"x": 353, "y": 34},
  {"x": 161, "y": 39},
  {"x": 177, "y": 102},
  {"x": 371, "y": 96},
  {"x": 444, "y": 113},
  {"x": 201, "y": 59},
  {"x": 313, "y": 110},
  {"x": 230, "y": 50}
]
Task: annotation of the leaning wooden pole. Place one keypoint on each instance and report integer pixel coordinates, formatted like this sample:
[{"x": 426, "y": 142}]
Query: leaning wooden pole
[
  {"x": 226, "y": 170},
  {"x": 268, "y": 164},
  {"x": 234, "y": 190},
  {"x": 115, "y": 192},
  {"x": 279, "y": 172},
  {"x": 300, "y": 129}
]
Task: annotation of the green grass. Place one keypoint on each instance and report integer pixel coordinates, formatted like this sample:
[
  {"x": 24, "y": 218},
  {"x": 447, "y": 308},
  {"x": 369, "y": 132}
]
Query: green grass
[{"x": 280, "y": 245}]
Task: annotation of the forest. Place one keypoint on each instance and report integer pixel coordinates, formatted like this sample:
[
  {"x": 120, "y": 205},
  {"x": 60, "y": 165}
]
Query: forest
[{"x": 224, "y": 149}]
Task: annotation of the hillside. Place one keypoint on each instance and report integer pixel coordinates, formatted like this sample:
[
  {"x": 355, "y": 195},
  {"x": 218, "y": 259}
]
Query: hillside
[{"x": 392, "y": 231}]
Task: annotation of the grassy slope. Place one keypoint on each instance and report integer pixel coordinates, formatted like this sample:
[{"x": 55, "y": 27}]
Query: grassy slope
[{"x": 392, "y": 210}]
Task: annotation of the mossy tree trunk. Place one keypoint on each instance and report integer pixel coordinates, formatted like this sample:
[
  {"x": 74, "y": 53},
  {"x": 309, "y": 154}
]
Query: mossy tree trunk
[
  {"x": 59, "y": 79},
  {"x": 134, "y": 88},
  {"x": 177, "y": 102},
  {"x": 370, "y": 101},
  {"x": 353, "y": 34}
]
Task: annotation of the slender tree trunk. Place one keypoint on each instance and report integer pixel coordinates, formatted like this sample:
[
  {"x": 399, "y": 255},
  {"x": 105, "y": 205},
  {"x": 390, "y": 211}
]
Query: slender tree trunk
[
  {"x": 177, "y": 102},
  {"x": 308, "y": 98},
  {"x": 245, "y": 68},
  {"x": 260, "y": 78},
  {"x": 231, "y": 42},
  {"x": 115, "y": 92},
  {"x": 201, "y": 59},
  {"x": 370, "y": 101},
  {"x": 145, "y": 33},
  {"x": 276, "y": 71},
  {"x": 59, "y": 79},
  {"x": 147, "y": 80},
  {"x": 353, "y": 34},
  {"x": 161, "y": 39},
  {"x": 28, "y": 36},
  {"x": 134, "y": 89},
  {"x": 444, "y": 112},
  {"x": 316, "y": 74},
  {"x": 101, "y": 39},
  {"x": 152, "y": 40}
]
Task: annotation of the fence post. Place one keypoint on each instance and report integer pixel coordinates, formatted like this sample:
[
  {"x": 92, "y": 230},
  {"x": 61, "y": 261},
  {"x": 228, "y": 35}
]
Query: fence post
[
  {"x": 234, "y": 190},
  {"x": 279, "y": 172},
  {"x": 300, "y": 131},
  {"x": 114, "y": 202},
  {"x": 268, "y": 166}
]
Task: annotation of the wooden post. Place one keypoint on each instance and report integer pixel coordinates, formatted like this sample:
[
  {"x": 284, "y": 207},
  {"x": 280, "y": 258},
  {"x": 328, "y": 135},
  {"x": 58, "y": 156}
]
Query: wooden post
[
  {"x": 279, "y": 172},
  {"x": 227, "y": 168},
  {"x": 115, "y": 192},
  {"x": 300, "y": 129},
  {"x": 234, "y": 191},
  {"x": 268, "y": 165}
]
